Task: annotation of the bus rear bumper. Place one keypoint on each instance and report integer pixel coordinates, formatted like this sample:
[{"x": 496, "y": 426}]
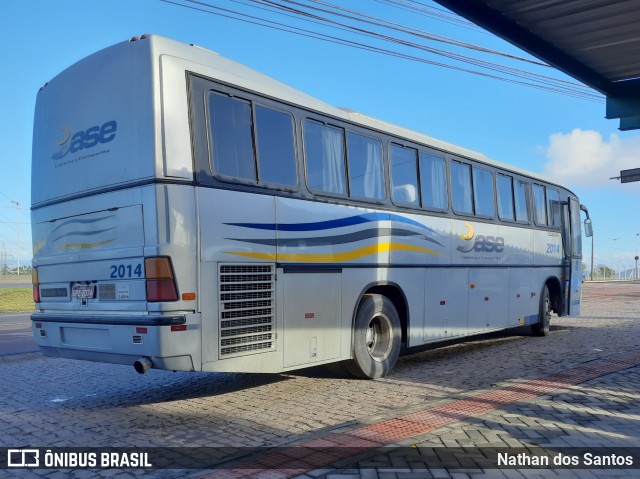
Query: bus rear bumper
[
  {"x": 174, "y": 363},
  {"x": 170, "y": 342}
]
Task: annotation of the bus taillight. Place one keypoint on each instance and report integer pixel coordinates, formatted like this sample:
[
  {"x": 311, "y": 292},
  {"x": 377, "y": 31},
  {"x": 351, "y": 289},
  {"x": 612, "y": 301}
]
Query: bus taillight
[
  {"x": 161, "y": 283},
  {"x": 36, "y": 285}
]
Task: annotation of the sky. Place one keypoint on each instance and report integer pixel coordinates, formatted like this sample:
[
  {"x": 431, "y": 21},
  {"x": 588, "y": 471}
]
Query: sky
[{"x": 563, "y": 137}]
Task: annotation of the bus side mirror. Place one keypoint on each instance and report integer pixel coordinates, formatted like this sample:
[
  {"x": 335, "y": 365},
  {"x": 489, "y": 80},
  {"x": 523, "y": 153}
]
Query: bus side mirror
[{"x": 588, "y": 228}]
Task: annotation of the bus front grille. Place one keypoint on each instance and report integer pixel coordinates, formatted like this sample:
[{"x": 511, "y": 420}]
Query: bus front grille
[{"x": 247, "y": 309}]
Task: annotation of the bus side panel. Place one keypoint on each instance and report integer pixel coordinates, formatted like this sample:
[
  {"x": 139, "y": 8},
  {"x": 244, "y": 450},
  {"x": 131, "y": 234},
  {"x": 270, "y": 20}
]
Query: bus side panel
[
  {"x": 446, "y": 295},
  {"x": 523, "y": 285},
  {"x": 317, "y": 244},
  {"x": 548, "y": 250},
  {"x": 523, "y": 297},
  {"x": 311, "y": 317},
  {"x": 488, "y": 306},
  {"x": 518, "y": 246},
  {"x": 238, "y": 256}
]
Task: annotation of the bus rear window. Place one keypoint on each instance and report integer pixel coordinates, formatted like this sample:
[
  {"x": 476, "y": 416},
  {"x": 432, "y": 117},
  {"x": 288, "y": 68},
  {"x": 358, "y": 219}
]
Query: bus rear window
[{"x": 231, "y": 141}]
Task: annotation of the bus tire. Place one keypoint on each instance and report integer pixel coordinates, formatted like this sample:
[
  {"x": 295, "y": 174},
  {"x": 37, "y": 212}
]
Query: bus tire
[
  {"x": 541, "y": 328},
  {"x": 377, "y": 337}
]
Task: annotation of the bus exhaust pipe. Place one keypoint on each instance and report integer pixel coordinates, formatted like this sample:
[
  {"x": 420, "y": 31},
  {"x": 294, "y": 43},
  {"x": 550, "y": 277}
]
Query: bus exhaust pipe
[{"x": 142, "y": 365}]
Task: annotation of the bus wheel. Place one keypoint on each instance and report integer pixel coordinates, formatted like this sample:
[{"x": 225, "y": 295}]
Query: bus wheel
[
  {"x": 376, "y": 338},
  {"x": 541, "y": 328}
]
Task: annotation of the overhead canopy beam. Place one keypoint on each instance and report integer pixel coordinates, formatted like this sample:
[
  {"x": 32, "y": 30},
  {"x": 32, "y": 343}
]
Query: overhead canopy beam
[
  {"x": 623, "y": 97},
  {"x": 632, "y": 123}
]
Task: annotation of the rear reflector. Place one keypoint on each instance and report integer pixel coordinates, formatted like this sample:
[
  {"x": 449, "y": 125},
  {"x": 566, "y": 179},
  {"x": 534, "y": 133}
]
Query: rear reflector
[
  {"x": 161, "y": 284},
  {"x": 36, "y": 286},
  {"x": 179, "y": 327},
  {"x": 161, "y": 290}
]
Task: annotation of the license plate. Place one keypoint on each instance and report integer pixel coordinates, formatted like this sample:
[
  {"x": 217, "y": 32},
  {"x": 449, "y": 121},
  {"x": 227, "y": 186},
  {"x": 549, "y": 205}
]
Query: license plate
[{"x": 83, "y": 291}]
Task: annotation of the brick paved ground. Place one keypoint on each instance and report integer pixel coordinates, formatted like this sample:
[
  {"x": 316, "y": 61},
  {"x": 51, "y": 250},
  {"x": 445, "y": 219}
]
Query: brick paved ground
[{"x": 62, "y": 403}]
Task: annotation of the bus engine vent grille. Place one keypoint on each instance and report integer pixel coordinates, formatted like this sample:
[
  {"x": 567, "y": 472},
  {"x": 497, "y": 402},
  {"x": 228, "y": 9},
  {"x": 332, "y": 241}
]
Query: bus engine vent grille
[{"x": 247, "y": 309}]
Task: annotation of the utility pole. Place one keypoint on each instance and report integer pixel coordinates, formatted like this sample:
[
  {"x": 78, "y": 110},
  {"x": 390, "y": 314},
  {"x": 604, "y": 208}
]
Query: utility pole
[
  {"x": 3, "y": 259},
  {"x": 17, "y": 203}
]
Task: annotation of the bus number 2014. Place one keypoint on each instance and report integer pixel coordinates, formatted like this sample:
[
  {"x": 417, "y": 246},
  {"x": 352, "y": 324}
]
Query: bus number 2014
[
  {"x": 553, "y": 248},
  {"x": 126, "y": 271}
]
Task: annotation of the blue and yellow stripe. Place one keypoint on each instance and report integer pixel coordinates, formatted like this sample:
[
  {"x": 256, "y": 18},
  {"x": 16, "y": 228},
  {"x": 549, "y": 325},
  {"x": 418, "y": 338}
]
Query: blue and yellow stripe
[
  {"x": 335, "y": 257},
  {"x": 334, "y": 240}
]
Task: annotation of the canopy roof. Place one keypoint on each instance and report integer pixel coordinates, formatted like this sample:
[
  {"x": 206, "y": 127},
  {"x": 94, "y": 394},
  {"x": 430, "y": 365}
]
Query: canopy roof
[{"x": 595, "y": 41}]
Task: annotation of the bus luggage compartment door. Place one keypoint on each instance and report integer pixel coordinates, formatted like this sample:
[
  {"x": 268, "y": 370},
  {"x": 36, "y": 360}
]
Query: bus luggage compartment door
[{"x": 312, "y": 305}]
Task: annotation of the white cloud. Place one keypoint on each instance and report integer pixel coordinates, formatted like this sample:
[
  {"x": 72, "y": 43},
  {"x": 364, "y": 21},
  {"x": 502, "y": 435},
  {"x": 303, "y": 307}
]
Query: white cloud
[{"x": 584, "y": 158}]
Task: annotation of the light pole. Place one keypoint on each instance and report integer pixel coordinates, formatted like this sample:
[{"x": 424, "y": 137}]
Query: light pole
[
  {"x": 636, "y": 258},
  {"x": 614, "y": 253},
  {"x": 592, "y": 256},
  {"x": 17, "y": 203}
]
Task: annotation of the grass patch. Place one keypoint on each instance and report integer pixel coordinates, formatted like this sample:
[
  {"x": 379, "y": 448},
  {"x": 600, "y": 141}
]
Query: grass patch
[{"x": 13, "y": 300}]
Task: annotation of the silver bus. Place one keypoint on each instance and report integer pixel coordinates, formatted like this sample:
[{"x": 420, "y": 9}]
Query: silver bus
[{"x": 192, "y": 214}]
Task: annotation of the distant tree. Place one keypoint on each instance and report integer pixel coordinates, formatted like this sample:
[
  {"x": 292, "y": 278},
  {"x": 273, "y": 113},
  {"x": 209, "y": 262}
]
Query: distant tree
[
  {"x": 25, "y": 270},
  {"x": 603, "y": 271}
]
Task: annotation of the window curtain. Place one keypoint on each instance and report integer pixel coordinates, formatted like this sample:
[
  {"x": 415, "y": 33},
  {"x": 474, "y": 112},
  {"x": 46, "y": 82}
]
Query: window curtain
[
  {"x": 434, "y": 193},
  {"x": 333, "y": 179},
  {"x": 461, "y": 180},
  {"x": 373, "y": 187}
]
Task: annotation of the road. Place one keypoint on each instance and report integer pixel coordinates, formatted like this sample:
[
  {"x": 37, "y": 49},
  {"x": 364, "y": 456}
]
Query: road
[
  {"x": 16, "y": 336},
  {"x": 577, "y": 387},
  {"x": 15, "y": 282},
  {"x": 6, "y": 285}
]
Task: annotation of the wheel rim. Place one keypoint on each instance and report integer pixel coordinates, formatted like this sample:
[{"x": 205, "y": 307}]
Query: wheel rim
[
  {"x": 547, "y": 312},
  {"x": 378, "y": 338}
]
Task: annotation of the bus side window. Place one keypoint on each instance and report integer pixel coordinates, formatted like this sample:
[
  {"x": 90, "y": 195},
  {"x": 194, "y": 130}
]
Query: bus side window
[
  {"x": 433, "y": 181},
  {"x": 276, "y": 150},
  {"x": 325, "y": 155},
  {"x": 404, "y": 176},
  {"x": 364, "y": 158},
  {"x": 505, "y": 197},
  {"x": 539, "y": 205},
  {"x": 520, "y": 197},
  {"x": 553, "y": 207},
  {"x": 483, "y": 192},
  {"x": 461, "y": 188},
  {"x": 231, "y": 136}
]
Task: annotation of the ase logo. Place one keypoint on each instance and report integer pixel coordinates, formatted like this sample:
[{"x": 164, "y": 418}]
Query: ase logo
[
  {"x": 481, "y": 244},
  {"x": 84, "y": 139}
]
